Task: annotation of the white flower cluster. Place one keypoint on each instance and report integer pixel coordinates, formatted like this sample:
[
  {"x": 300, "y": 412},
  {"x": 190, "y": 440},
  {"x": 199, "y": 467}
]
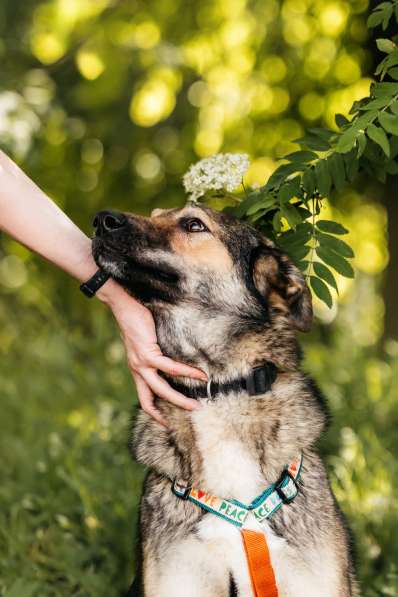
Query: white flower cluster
[{"x": 220, "y": 171}]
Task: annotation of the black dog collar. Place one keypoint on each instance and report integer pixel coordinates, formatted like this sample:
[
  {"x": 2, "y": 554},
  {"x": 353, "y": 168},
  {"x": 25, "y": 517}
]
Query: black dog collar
[
  {"x": 258, "y": 381},
  {"x": 92, "y": 285}
]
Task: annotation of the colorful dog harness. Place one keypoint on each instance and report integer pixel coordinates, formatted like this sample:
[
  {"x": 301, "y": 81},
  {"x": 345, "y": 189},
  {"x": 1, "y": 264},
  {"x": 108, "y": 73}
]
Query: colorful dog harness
[{"x": 263, "y": 507}]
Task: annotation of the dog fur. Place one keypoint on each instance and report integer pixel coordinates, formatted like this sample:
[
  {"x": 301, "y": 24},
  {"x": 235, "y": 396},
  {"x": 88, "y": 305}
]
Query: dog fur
[{"x": 226, "y": 299}]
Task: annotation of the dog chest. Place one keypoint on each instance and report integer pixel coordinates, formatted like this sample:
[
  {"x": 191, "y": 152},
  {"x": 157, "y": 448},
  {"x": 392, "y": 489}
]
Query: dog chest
[{"x": 229, "y": 466}]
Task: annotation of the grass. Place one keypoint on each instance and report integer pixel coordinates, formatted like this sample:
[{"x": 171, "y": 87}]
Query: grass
[{"x": 69, "y": 490}]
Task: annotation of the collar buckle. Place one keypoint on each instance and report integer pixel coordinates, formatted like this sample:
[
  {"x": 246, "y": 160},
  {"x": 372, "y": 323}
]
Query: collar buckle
[
  {"x": 260, "y": 379},
  {"x": 286, "y": 491}
]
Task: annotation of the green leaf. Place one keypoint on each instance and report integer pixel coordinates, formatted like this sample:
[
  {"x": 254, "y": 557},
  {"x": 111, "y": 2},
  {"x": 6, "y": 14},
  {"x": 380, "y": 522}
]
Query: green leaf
[
  {"x": 276, "y": 221},
  {"x": 374, "y": 170},
  {"x": 355, "y": 107},
  {"x": 393, "y": 72},
  {"x": 379, "y": 137},
  {"x": 239, "y": 210},
  {"x": 289, "y": 189},
  {"x": 291, "y": 214},
  {"x": 313, "y": 142},
  {"x": 324, "y": 272},
  {"x": 387, "y": 14},
  {"x": 335, "y": 244},
  {"x": 351, "y": 165},
  {"x": 296, "y": 238},
  {"x": 292, "y": 248},
  {"x": 331, "y": 227},
  {"x": 305, "y": 213},
  {"x": 261, "y": 213},
  {"x": 301, "y": 156},
  {"x": 391, "y": 59},
  {"x": 337, "y": 262},
  {"x": 387, "y": 89},
  {"x": 389, "y": 122},
  {"x": 298, "y": 253},
  {"x": 375, "y": 19},
  {"x": 375, "y": 104},
  {"x": 302, "y": 265},
  {"x": 304, "y": 228},
  {"x": 285, "y": 193},
  {"x": 291, "y": 243},
  {"x": 381, "y": 174},
  {"x": 323, "y": 178},
  {"x": 394, "y": 106},
  {"x": 309, "y": 181},
  {"x": 392, "y": 168},
  {"x": 252, "y": 209},
  {"x": 347, "y": 140},
  {"x": 394, "y": 146},
  {"x": 382, "y": 6},
  {"x": 381, "y": 68},
  {"x": 321, "y": 290},
  {"x": 325, "y": 134},
  {"x": 341, "y": 120},
  {"x": 337, "y": 170},
  {"x": 385, "y": 45},
  {"x": 363, "y": 120},
  {"x": 361, "y": 140},
  {"x": 280, "y": 174},
  {"x": 263, "y": 203}
]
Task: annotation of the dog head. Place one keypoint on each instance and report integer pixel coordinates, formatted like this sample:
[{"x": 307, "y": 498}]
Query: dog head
[{"x": 198, "y": 265}]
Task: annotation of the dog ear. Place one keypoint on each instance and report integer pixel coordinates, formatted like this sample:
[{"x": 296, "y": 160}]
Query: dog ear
[{"x": 282, "y": 284}]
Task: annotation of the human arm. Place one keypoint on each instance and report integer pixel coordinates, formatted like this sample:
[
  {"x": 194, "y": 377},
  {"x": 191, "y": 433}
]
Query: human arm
[{"x": 29, "y": 216}]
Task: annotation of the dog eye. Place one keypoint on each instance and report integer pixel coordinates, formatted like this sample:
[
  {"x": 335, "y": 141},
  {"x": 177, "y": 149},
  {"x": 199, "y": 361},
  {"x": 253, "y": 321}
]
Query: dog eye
[{"x": 194, "y": 225}]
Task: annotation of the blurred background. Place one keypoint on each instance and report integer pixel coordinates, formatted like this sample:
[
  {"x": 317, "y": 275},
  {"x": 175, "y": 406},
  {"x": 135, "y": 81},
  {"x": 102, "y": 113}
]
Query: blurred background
[{"x": 106, "y": 104}]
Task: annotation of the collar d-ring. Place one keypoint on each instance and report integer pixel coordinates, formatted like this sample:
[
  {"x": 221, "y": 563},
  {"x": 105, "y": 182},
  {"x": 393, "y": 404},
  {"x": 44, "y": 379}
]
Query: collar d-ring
[{"x": 208, "y": 390}]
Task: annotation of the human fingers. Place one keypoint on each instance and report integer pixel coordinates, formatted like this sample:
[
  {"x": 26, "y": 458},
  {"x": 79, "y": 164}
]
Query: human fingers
[
  {"x": 146, "y": 399},
  {"x": 162, "y": 389},
  {"x": 175, "y": 368}
]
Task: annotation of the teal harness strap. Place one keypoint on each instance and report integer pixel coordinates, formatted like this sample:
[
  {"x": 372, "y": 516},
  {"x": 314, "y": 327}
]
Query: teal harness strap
[{"x": 264, "y": 506}]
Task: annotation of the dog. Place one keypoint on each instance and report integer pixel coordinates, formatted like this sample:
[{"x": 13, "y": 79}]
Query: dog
[{"x": 227, "y": 300}]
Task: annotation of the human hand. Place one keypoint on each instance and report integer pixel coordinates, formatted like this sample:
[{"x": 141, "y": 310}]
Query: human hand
[{"x": 144, "y": 356}]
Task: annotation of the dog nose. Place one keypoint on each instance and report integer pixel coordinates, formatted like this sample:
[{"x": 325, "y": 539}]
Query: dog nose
[{"x": 108, "y": 221}]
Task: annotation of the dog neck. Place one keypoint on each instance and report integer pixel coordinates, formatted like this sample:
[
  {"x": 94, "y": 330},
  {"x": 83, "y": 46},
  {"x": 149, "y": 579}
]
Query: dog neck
[{"x": 224, "y": 345}]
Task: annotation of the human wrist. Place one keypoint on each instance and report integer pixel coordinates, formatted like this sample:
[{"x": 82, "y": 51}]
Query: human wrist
[
  {"x": 116, "y": 298},
  {"x": 110, "y": 292}
]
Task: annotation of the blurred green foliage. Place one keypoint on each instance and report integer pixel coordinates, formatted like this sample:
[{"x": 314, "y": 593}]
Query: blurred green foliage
[{"x": 106, "y": 103}]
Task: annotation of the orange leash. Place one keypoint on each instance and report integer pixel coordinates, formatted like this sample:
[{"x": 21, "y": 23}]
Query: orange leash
[{"x": 259, "y": 561}]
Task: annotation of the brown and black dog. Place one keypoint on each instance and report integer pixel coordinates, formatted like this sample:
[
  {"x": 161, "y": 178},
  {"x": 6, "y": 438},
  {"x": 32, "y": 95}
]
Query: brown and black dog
[{"x": 226, "y": 300}]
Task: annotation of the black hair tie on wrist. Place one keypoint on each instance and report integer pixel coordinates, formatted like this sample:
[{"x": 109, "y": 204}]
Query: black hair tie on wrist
[{"x": 92, "y": 285}]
